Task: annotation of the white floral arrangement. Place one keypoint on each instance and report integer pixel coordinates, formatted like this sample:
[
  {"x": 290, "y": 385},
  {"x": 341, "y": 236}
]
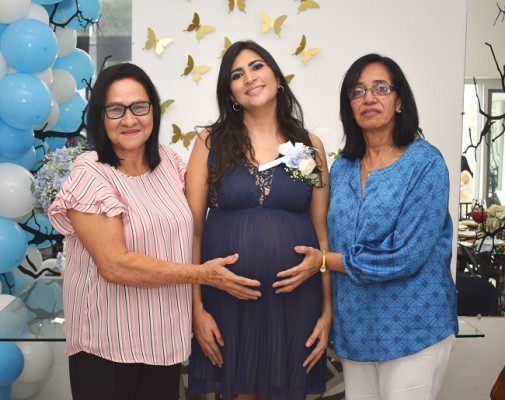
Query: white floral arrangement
[
  {"x": 299, "y": 160},
  {"x": 54, "y": 171}
]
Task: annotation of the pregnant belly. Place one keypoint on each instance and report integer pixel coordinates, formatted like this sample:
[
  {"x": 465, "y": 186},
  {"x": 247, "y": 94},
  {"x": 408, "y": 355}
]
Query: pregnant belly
[{"x": 263, "y": 238}]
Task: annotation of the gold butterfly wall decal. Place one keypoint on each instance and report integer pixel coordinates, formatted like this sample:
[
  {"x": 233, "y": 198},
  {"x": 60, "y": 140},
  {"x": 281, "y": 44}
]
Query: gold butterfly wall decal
[
  {"x": 158, "y": 45},
  {"x": 306, "y": 4},
  {"x": 165, "y": 104},
  {"x": 268, "y": 23},
  {"x": 185, "y": 138},
  {"x": 289, "y": 78},
  {"x": 201, "y": 30},
  {"x": 307, "y": 54},
  {"x": 227, "y": 44},
  {"x": 196, "y": 71},
  {"x": 240, "y": 4}
]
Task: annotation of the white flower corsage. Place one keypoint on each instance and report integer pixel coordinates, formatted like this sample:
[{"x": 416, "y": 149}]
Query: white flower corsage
[{"x": 299, "y": 160}]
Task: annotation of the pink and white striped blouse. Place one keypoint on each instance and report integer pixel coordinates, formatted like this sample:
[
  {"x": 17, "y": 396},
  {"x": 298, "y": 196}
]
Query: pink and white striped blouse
[{"x": 117, "y": 322}]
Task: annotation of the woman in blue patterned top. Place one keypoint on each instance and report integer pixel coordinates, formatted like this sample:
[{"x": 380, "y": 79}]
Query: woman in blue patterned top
[{"x": 390, "y": 233}]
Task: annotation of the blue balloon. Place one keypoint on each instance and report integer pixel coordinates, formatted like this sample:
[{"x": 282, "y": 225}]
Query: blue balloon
[
  {"x": 55, "y": 142},
  {"x": 15, "y": 142},
  {"x": 29, "y": 45},
  {"x": 71, "y": 114},
  {"x": 26, "y": 160},
  {"x": 80, "y": 65},
  {"x": 13, "y": 245},
  {"x": 12, "y": 363},
  {"x": 41, "y": 149},
  {"x": 67, "y": 13},
  {"x": 6, "y": 392},
  {"x": 8, "y": 283},
  {"x": 25, "y": 101},
  {"x": 39, "y": 231},
  {"x": 2, "y": 29}
]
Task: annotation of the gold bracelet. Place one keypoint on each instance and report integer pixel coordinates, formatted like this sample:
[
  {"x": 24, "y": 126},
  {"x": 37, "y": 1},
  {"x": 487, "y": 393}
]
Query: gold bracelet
[{"x": 323, "y": 264}]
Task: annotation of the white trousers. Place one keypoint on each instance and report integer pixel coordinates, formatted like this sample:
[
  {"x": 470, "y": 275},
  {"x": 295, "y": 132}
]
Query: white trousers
[{"x": 415, "y": 377}]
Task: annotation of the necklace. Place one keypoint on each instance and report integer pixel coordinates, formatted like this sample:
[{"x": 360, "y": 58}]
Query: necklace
[{"x": 378, "y": 162}]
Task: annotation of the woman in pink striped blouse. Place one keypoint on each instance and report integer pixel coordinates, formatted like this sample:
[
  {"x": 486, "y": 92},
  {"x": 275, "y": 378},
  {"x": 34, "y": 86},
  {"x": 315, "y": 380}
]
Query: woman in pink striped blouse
[{"x": 129, "y": 230}]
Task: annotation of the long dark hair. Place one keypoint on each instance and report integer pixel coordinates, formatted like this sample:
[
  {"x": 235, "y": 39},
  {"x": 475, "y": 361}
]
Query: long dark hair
[
  {"x": 96, "y": 134},
  {"x": 406, "y": 123},
  {"x": 229, "y": 135}
]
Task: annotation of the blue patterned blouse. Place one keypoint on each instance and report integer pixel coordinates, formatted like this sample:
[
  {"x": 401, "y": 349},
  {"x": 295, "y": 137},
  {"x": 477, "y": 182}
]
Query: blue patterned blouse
[{"x": 398, "y": 296}]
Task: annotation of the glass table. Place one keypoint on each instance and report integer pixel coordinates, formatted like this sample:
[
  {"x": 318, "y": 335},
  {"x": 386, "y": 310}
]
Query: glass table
[{"x": 36, "y": 314}]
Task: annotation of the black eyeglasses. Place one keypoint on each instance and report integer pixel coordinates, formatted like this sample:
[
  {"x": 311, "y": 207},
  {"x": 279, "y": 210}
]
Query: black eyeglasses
[
  {"x": 139, "y": 108},
  {"x": 379, "y": 89}
]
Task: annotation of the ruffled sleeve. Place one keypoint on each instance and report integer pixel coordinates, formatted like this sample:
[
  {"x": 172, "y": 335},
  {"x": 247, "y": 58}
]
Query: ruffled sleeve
[
  {"x": 175, "y": 160},
  {"x": 88, "y": 189}
]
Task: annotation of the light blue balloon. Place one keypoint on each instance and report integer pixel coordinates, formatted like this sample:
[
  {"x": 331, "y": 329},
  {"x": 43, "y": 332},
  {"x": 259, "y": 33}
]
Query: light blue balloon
[
  {"x": 80, "y": 65},
  {"x": 2, "y": 29},
  {"x": 15, "y": 142},
  {"x": 26, "y": 160},
  {"x": 55, "y": 142},
  {"x": 8, "y": 283},
  {"x": 13, "y": 245},
  {"x": 41, "y": 149},
  {"x": 25, "y": 101},
  {"x": 39, "y": 231},
  {"x": 12, "y": 362},
  {"x": 66, "y": 13},
  {"x": 6, "y": 392},
  {"x": 71, "y": 114},
  {"x": 29, "y": 45}
]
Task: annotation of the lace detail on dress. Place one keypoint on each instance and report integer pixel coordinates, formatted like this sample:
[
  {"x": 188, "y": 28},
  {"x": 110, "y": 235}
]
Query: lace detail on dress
[{"x": 263, "y": 179}]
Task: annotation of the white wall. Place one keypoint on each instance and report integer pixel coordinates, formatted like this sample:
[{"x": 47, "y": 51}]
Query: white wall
[{"x": 427, "y": 39}]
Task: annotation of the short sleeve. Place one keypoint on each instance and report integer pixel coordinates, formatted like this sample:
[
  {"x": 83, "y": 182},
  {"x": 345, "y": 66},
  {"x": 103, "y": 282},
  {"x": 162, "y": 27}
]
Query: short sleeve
[
  {"x": 174, "y": 159},
  {"x": 88, "y": 189}
]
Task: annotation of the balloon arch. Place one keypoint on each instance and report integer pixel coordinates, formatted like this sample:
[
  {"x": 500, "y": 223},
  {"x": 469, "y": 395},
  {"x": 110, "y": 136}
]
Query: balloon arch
[{"x": 42, "y": 74}]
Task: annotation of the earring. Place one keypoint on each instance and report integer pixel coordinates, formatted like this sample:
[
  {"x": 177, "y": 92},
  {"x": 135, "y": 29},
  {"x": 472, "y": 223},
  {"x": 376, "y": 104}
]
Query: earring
[
  {"x": 280, "y": 89},
  {"x": 398, "y": 111},
  {"x": 236, "y": 107}
]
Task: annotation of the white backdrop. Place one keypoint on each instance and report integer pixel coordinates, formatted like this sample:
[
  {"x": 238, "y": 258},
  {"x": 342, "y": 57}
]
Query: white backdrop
[{"x": 427, "y": 39}]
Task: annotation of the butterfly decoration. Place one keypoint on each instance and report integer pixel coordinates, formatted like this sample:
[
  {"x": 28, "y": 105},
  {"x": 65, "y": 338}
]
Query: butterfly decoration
[
  {"x": 158, "y": 45},
  {"x": 306, "y": 4},
  {"x": 165, "y": 104},
  {"x": 289, "y": 78},
  {"x": 307, "y": 54},
  {"x": 201, "y": 30},
  {"x": 267, "y": 23},
  {"x": 227, "y": 44},
  {"x": 196, "y": 71},
  {"x": 185, "y": 138},
  {"x": 240, "y": 4}
]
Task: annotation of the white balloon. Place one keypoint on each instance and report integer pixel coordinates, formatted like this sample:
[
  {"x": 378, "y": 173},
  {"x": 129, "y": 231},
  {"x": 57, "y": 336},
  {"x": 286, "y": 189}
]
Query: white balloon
[
  {"x": 64, "y": 85},
  {"x": 46, "y": 76},
  {"x": 33, "y": 259},
  {"x": 67, "y": 40},
  {"x": 36, "y": 11},
  {"x": 51, "y": 121},
  {"x": 16, "y": 196},
  {"x": 12, "y": 10},
  {"x": 23, "y": 391},
  {"x": 3, "y": 66},
  {"x": 39, "y": 359},
  {"x": 50, "y": 263}
]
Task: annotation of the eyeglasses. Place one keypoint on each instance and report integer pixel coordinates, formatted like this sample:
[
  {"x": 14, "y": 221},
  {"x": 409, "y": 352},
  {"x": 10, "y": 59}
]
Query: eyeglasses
[
  {"x": 379, "y": 89},
  {"x": 116, "y": 111}
]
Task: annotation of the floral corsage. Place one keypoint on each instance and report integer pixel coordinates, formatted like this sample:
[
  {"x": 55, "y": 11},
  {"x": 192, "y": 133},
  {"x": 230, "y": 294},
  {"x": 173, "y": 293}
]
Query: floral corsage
[{"x": 299, "y": 160}]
